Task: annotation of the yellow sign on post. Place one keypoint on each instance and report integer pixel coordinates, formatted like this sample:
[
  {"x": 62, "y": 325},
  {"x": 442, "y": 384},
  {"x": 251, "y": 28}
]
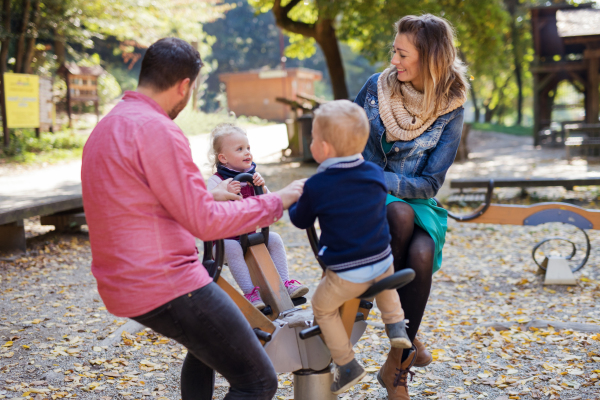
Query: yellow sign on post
[{"x": 22, "y": 93}]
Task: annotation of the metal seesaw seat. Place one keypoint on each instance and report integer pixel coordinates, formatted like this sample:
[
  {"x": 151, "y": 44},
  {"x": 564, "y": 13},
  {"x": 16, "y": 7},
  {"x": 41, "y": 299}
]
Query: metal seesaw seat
[{"x": 289, "y": 335}]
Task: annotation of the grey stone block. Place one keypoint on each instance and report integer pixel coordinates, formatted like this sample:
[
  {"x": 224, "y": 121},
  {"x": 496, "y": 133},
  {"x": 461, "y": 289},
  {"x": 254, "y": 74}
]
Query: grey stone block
[{"x": 129, "y": 327}]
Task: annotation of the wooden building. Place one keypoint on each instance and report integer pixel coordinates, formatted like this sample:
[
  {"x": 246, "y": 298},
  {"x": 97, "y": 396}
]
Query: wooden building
[
  {"x": 567, "y": 47},
  {"x": 253, "y": 93},
  {"x": 82, "y": 85}
]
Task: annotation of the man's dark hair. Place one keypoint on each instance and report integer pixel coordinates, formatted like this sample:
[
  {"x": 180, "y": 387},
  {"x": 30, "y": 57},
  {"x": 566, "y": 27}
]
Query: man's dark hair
[{"x": 168, "y": 61}]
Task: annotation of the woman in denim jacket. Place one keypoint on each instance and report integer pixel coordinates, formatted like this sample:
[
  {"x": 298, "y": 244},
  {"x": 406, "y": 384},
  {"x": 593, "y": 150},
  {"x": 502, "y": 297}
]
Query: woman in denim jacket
[{"x": 416, "y": 118}]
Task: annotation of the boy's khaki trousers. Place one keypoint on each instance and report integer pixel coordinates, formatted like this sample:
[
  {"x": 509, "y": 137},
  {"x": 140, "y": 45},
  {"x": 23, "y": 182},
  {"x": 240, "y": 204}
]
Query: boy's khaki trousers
[{"x": 331, "y": 293}]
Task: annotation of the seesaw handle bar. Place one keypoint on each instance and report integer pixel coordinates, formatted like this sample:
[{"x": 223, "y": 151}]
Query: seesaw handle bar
[
  {"x": 313, "y": 239},
  {"x": 248, "y": 240},
  {"x": 214, "y": 263},
  {"x": 262, "y": 335},
  {"x": 479, "y": 211}
]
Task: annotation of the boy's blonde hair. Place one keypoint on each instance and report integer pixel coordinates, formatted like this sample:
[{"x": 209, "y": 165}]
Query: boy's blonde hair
[
  {"x": 344, "y": 125},
  {"x": 216, "y": 141}
]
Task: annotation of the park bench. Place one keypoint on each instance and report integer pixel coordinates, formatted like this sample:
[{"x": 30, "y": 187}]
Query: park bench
[
  {"x": 532, "y": 215},
  {"x": 556, "y": 133},
  {"x": 523, "y": 183},
  {"x": 65, "y": 213},
  {"x": 583, "y": 139}
]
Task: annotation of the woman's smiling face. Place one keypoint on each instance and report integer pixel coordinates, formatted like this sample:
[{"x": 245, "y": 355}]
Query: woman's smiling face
[{"x": 406, "y": 61}]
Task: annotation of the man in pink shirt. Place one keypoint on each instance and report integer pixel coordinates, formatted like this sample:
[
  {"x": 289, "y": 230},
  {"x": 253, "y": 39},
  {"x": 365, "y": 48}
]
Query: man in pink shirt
[{"x": 145, "y": 202}]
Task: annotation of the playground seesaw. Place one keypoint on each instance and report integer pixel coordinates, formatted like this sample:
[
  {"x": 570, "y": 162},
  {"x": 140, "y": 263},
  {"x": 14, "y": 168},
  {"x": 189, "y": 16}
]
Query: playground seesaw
[
  {"x": 289, "y": 334},
  {"x": 536, "y": 214}
]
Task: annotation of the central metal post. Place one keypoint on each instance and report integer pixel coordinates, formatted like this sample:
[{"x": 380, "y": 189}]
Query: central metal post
[{"x": 313, "y": 385}]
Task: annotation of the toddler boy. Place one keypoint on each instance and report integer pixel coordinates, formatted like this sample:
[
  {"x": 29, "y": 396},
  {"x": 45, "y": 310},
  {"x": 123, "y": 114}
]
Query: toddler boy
[{"x": 348, "y": 195}]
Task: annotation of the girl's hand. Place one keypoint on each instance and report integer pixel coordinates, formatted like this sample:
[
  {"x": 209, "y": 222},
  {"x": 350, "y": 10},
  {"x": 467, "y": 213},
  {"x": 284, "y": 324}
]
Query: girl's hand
[
  {"x": 234, "y": 187},
  {"x": 258, "y": 180}
]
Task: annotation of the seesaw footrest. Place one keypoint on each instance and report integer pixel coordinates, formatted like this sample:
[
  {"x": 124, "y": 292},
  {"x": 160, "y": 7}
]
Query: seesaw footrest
[{"x": 316, "y": 330}]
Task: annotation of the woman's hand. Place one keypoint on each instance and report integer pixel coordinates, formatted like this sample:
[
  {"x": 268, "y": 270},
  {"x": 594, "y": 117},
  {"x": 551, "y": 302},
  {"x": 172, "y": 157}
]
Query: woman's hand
[
  {"x": 291, "y": 193},
  {"x": 221, "y": 191},
  {"x": 234, "y": 187},
  {"x": 258, "y": 180}
]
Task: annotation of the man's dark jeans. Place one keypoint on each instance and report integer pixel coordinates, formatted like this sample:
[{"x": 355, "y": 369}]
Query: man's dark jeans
[{"x": 218, "y": 338}]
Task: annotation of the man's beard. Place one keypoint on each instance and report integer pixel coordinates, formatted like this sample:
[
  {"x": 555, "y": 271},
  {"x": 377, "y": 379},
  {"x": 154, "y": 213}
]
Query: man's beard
[{"x": 180, "y": 106}]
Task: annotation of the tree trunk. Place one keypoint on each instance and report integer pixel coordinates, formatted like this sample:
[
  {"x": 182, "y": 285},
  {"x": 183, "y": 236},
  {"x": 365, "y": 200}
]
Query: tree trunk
[
  {"x": 512, "y": 6},
  {"x": 21, "y": 42},
  {"x": 197, "y": 85},
  {"x": 475, "y": 106},
  {"x": 6, "y": 37},
  {"x": 324, "y": 34},
  {"x": 3, "y": 57},
  {"x": 30, "y": 50},
  {"x": 59, "y": 48},
  {"x": 489, "y": 114},
  {"x": 327, "y": 39},
  {"x": 518, "y": 71}
]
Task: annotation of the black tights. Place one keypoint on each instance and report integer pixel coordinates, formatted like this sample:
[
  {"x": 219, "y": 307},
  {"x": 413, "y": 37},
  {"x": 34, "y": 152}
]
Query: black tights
[{"x": 412, "y": 247}]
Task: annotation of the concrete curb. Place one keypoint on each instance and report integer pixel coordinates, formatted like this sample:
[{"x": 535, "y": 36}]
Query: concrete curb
[
  {"x": 536, "y": 323},
  {"x": 542, "y": 324},
  {"x": 574, "y": 326},
  {"x": 129, "y": 327}
]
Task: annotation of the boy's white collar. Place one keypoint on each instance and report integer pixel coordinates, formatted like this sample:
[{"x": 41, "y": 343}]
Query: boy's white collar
[{"x": 335, "y": 160}]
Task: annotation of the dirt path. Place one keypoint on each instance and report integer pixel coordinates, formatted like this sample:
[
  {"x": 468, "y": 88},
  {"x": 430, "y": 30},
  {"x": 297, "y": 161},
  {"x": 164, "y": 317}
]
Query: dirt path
[{"x": 52, "y": 323}]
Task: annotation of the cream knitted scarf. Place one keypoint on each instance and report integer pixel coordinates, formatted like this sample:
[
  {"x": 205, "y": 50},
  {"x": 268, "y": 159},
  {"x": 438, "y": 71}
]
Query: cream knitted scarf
[{"x": 402, "y": 115}]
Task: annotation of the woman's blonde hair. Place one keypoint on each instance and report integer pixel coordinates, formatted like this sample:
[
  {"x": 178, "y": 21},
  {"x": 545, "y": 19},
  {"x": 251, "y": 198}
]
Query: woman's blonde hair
[
  {"x": 216, "y": 141},
  {"x": 444, "y": 74}
]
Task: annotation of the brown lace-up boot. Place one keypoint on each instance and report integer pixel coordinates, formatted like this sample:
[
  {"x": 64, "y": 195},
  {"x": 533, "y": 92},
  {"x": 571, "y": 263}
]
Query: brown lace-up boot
[
  {"x": 424, "y": 357},
  {"x": 393, "y": 375}
]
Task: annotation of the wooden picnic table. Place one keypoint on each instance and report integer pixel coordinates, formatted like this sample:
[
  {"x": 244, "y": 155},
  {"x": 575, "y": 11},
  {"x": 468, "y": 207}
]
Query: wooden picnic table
[{"x": 64, "y": 212}]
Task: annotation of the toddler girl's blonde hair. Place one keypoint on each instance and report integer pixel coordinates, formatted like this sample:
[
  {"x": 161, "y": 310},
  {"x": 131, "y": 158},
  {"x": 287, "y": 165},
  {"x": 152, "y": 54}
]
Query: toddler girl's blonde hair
[{"x": 216, "y": 141}]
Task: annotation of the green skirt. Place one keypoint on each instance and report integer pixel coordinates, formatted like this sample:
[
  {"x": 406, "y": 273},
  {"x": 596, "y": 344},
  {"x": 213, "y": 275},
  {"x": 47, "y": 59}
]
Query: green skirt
[{"x": 433, "y": 219}]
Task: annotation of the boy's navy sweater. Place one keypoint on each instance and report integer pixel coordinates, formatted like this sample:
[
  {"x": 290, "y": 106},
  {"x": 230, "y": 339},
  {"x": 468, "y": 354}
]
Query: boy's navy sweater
[{"x": 349, "y": 200}]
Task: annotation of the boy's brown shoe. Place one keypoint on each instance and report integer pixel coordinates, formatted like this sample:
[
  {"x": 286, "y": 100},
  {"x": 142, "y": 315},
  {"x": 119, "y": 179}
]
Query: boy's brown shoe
[
  {"x": 393, "y": 375},
  {"x": 424, "y": 357}
]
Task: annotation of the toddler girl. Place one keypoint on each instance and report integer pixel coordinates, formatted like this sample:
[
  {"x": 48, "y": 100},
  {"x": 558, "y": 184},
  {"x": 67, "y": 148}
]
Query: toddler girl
[{"x": 230, "y": 155}]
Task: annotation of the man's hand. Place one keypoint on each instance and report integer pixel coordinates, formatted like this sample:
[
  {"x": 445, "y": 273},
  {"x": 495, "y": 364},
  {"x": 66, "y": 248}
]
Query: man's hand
[
  {"x": 258, "y": 180},
  {"x": 221, "y": 191},
  {"x": 234, "y": 187},
  {"x": 291, "y": 193}
]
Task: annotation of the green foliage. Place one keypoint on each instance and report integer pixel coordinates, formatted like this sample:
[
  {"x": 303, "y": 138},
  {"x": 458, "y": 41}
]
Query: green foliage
[
  {"x": 141, "y": 21},
  {"x": 511, "y": 130},
  {"x": 197, "y": 122},
  {"x": 484, "y": 38},
  {"x": 108, "y": 87},
  {"x": 26, "y": 148},
  {"x": 124, "y": 78},
  {"x": 73, "y": 29},
  {"x": 300, "y": 47},
  {"x": 247, "y": 40}
]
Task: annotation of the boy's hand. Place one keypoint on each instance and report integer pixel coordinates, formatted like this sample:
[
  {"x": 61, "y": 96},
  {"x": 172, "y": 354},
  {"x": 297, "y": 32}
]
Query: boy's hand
[
  {"x": 221, "y": 192},
  {"x": 258, "y": 180},
  {"x": 234, "y": 187}
]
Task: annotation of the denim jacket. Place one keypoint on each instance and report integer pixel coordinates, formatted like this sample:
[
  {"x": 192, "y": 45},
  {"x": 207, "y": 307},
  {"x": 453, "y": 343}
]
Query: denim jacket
[{"x": 415, "y": 169}]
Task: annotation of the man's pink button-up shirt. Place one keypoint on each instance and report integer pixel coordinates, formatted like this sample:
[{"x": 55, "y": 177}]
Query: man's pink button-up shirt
[{"x": 145, "y": 201}]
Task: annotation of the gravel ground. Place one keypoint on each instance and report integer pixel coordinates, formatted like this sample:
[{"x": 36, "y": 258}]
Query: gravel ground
[{"x": 477, "y": 325}]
